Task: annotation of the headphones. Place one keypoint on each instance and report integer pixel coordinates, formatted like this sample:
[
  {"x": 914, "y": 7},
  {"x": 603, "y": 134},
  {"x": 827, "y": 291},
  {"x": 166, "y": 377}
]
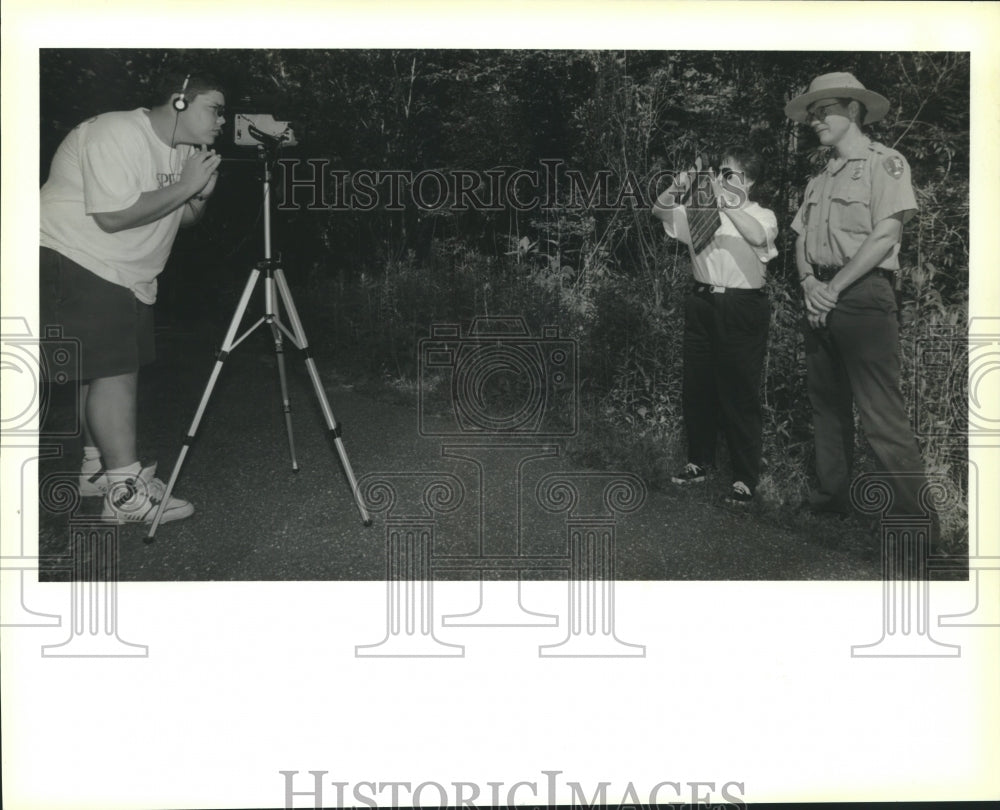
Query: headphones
[{"x": 180, "y": 104}]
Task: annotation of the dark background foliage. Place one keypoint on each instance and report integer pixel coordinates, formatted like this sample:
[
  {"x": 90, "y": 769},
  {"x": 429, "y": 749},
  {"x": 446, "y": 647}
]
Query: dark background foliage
[{"x": 370, "y": 283}]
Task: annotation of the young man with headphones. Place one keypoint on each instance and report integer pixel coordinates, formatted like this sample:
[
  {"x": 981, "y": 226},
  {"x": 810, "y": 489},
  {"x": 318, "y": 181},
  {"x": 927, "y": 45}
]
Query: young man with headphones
[{"x": 120, "y": 186}]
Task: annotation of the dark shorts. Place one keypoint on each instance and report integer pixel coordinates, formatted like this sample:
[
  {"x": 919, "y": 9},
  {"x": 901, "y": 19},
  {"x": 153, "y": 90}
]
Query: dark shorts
[{"x": 114, "y": 328}]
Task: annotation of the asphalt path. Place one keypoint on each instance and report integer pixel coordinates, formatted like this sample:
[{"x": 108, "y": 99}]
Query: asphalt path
[{"x": 258, "y": 520}]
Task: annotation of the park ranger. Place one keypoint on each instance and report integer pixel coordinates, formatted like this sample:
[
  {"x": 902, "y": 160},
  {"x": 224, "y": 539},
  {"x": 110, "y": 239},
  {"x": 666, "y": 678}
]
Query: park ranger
[{"x": 847, "y": 254}]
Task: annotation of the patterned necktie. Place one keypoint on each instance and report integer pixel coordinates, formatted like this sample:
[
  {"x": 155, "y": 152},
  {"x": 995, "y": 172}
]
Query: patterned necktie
[{"x": 703, "y": 222}]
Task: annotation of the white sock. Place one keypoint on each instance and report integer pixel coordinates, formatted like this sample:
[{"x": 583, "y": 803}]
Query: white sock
[
  {"x": 125, "y": 472},
  {"x": 91, "y": 454}
]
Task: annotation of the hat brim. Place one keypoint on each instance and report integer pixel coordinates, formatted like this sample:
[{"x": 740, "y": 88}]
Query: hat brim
[{"x": 876, "y": 105}]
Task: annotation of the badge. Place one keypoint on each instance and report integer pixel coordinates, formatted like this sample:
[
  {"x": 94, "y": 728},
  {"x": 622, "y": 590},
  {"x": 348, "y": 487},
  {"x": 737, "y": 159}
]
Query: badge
[
  {"x": 894, "y": 166},
  {"x": 858, "y": 171}
]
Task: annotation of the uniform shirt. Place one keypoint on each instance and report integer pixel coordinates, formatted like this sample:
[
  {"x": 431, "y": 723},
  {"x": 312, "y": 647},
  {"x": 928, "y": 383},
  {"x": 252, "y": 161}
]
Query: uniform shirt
[
  {"x": 728, "y": 260},
  {"x": 102, "y": 166},
  {"x": 844, "y": 203}
]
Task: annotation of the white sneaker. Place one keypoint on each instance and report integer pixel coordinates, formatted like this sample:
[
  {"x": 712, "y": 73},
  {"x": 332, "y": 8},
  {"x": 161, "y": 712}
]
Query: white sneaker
[
  {"x": 93, "y": 479},
  {"x": 740, "y": 494},
  {"x": 136, "y": 499},
  {"x": 691, "y": 474}
]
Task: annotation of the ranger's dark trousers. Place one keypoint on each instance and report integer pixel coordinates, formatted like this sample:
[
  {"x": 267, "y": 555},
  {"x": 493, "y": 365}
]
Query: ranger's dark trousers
[
  {"x": 725, "y": 338},
  {"x": 855, "y": 360}
]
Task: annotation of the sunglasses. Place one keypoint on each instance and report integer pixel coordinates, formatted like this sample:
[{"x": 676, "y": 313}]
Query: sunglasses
[{"x": 725, "y": 173}]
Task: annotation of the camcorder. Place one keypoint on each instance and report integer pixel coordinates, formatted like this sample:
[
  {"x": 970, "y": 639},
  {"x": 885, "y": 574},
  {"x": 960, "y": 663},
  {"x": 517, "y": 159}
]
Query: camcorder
[
  {"x": 252, "y": 128},
  {"x": 261, "y": 129},
  {"x": 699, "y": 194}
]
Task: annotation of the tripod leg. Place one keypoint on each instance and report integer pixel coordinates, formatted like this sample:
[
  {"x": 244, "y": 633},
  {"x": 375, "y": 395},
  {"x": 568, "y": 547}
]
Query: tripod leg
[
  {"x": 227, "y": 346},
  {"x": 286, "y": 404},
  {"x": 331, "y": 422},
  {"x": 279, "y": 351}
]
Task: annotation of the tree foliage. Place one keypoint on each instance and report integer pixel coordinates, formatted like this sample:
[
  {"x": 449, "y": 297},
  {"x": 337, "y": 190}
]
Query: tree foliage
[{"x": 378, "y": 278}]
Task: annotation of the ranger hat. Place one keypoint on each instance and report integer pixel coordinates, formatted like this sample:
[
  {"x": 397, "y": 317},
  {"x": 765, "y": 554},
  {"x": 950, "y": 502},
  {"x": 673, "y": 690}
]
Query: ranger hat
[{"x": 837, "y": 85}]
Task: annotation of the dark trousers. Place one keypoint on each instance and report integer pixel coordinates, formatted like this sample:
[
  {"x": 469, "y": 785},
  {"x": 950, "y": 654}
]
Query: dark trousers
[
  {"x": 725, "y": 338},
  {"x": 855, "y": 360}
]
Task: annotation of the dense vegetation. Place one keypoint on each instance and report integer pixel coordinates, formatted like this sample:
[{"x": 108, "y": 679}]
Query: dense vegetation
[{"x": 375, "y": 280}]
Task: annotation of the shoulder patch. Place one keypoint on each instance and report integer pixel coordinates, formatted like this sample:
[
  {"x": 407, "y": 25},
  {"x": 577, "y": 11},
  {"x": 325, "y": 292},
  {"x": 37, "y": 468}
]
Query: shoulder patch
[{"x": 894, "y": 166}]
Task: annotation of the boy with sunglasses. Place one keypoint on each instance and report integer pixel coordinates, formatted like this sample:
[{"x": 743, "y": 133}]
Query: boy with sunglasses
[{"x": 726, "y": 316}]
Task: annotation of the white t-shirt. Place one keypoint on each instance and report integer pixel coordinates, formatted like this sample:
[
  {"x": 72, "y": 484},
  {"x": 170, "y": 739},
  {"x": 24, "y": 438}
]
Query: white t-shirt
[
  {"x": 728, "y": 260},
  {"x": 101, "y": 166}
]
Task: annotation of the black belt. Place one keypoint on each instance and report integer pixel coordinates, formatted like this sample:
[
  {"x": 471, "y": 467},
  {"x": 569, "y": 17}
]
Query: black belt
[
  {"x": 711, "y": 289},
  {"x": 824, "y": 272}
]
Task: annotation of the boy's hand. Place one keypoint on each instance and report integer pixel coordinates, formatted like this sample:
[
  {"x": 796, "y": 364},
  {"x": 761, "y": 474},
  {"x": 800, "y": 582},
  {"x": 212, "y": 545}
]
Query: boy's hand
[
  {"x": 209, "y": 187},
  {"x": 716, "y": 183},
  {"x": 199, "y": 173}
]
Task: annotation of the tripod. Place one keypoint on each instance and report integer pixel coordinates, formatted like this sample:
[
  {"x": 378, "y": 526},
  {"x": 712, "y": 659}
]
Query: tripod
[{"x": 274, "y": 282}]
